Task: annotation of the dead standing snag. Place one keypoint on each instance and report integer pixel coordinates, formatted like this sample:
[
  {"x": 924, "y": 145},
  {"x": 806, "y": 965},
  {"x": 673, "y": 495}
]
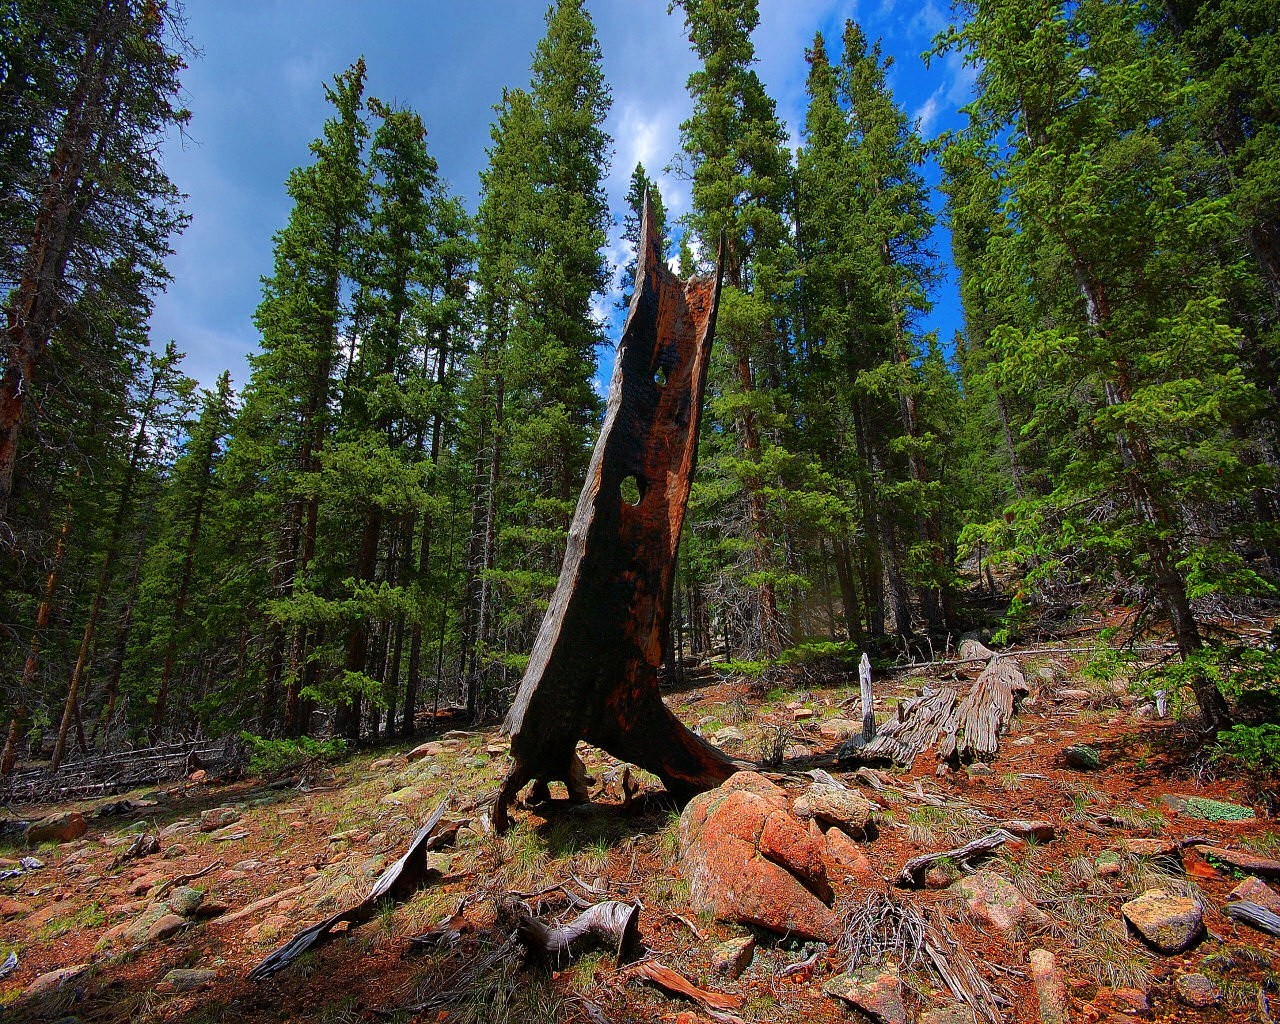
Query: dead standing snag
[{"x": 593, "y": 673}]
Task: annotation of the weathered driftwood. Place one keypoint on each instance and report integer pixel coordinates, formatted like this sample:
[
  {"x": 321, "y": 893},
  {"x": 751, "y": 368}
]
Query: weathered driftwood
[
  {"x": 677, "y": 984},
  {"x": 611, "y": 924},
  {"x": 398, "y": 882},
  {"x": 1252, "y": 913},
  {"x": 593, "y": 672},
  {"x": 913, "y": 870},
  {"x": 964, "y": 728}
]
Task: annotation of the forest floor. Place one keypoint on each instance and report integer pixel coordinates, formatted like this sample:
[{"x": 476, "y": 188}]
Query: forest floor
[{"x": 114, "y": 929}]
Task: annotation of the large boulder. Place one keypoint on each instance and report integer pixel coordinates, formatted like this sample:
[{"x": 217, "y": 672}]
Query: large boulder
[
  {"x": 749, "y": 859},
  {"x": 1169, "y": 922}
]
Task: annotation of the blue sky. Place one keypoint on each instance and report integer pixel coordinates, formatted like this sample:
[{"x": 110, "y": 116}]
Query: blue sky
[{"x": 257, "y": 99}]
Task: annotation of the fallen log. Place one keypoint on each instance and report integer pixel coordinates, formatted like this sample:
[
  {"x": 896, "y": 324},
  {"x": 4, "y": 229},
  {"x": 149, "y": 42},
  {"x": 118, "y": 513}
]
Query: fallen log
[
  {"x": 398, "y": 882},
  {"x": 593, "y": 673},
  {"x": 912, "y": 874},
  {"x": 1254, "y": 914},
  {"x": 964, "y": 728}
]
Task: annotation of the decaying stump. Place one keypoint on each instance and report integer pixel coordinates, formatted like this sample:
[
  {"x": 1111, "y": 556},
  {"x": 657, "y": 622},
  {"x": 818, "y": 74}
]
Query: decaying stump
[
  {"x": 593, "y": 673},
  {"x": 965, "y": 728}
]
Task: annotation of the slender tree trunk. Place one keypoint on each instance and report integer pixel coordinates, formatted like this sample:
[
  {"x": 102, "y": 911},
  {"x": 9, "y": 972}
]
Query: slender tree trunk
[
  {"x": 32, "y": 312},
  {"x": 31, "y": 664}
]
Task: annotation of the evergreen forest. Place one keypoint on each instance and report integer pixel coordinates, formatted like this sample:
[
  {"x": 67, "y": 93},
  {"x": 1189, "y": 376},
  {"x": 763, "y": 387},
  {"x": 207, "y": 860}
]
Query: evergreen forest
[{"x": 367, "y": 530}]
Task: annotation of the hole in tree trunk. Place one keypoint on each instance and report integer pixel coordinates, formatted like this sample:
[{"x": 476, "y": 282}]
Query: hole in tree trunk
[{"x": 632, "y": 490}]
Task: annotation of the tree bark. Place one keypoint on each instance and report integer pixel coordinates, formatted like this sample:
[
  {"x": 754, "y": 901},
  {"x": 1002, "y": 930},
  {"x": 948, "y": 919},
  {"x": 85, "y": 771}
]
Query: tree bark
[{"x": 593, "y": 673}]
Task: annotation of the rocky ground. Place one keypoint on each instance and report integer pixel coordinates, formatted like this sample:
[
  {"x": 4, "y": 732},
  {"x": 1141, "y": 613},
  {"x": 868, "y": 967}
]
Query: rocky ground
[{"x": 779, "y": 897}]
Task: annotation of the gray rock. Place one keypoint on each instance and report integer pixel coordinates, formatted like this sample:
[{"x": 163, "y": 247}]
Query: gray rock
[
  {"x": 185, "y": 901},
  {"x": 831, "y": 805},
  {"x": 188, "y": 979},
  {"x": 1051, "y": 987}
]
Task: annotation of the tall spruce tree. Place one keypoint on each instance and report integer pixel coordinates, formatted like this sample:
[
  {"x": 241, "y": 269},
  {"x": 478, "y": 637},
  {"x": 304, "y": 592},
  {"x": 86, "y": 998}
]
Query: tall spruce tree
[{"x": 532, "y": 409}]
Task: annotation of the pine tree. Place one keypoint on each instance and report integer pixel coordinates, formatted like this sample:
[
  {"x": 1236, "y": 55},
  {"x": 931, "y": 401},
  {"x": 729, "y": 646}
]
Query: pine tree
[
  {"x": 531, "y": 408},
  {"x": 640, "y": 186},
  {"x": 1132, "y": 367},
  {"x": 741, "y": 183},
  {"x": 87, "y": 209}
]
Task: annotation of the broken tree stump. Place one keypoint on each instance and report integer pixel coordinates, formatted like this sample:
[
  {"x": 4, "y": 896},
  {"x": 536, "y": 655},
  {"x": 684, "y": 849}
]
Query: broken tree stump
[{"x": 593, "y": 672}]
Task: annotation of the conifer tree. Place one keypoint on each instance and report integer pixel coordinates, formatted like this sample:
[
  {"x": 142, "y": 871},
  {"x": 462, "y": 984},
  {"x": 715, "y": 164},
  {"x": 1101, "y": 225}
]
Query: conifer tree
[
  {"x": 531, "y": 407},
  {"x": 640, "y": 186}
]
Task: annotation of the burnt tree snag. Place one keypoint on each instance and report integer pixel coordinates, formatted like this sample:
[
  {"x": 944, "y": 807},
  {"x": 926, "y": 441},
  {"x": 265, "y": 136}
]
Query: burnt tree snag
[{"x": 593, "y": 673}]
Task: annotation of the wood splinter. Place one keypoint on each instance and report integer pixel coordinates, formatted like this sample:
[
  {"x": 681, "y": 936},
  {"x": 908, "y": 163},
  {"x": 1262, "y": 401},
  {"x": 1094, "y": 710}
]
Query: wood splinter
[{"x": 593, "y": 672}]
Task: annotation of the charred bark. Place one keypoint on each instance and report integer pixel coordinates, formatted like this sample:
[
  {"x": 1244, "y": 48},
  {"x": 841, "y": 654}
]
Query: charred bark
[{"x": 593, "y": 673}]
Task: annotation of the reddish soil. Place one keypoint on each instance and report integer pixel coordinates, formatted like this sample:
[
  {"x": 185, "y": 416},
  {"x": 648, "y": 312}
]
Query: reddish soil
[{"x": 69, "y": 902}]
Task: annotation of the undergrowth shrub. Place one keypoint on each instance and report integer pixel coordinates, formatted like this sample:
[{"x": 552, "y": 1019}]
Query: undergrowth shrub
[{"x": 272, "y": 758}]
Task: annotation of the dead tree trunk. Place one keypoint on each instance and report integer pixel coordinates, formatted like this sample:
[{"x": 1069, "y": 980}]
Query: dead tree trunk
[{"x": 593, "y": 673}]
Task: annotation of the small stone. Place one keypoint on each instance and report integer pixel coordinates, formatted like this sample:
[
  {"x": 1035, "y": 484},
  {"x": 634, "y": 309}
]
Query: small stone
[
  {"x": 1169, "y": 922},
  {"x": 1107, "y": 864},
  {"x": 832, "y": 805},
  {"x": 939, "y": 876},
  {"x": 1051, "y": 987},
  {"x": 952, "y": 1014},
  {"x": 1255, "y": 890},
  {"x": 802, "y": 714},
  {"x": 383, "y": 764},
  {"x": 729, "y": 735},
  {"x": 218, "y": 817},
  {"x": 175, "y": 851},
  {"x": 187, "y": 979},
  {"x": 733, "y": 957},
  {"x": 60, "y": 828},
  {"x": 407, "y": 795},
  {"x": 432, "y": 748},
  {"x": 1082, "y": 758},
  {"x": 877, "y": 992},
  {"x": 198, "y": 776},
  {"x": 979, "y": 768},
  {"x": 1196, "y": 990},
  {"x": 54, "y": 980},
  {"x": 184, "y": 900},
  {"x": 1130, "y": 1000},
  {"x": 839, "y": 729},
  {"x": 230, "y": 834},
  {"x": 166, "y": 926},
  {"x": 997, "y": 901},
  {"x": 1149, "y": 847}
]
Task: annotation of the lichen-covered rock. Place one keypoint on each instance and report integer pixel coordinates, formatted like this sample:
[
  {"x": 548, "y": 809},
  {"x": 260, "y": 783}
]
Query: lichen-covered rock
[
  {"x": 218, "y": 817},
  {"x": 998, "y": 902},
  {"x": 58, "y": 828},
  {"x": 1169, "y": 922},
  {"x": 1050, "y": 986},
  {"x": 734, "y": 956},
  {"x": 187, "y": 979},
  {"x": 1082, "y": 758},
  {"x": 1255, "y": 890},
  {"x": 832, "y": 805},
  {"x": 185, "y": 901},
  {"x": 749, "y": 859},
  {"x": 876, "y": 991},
  {"x": 1196, "y": 990},
  {"x": 1203, "y": 808}
]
